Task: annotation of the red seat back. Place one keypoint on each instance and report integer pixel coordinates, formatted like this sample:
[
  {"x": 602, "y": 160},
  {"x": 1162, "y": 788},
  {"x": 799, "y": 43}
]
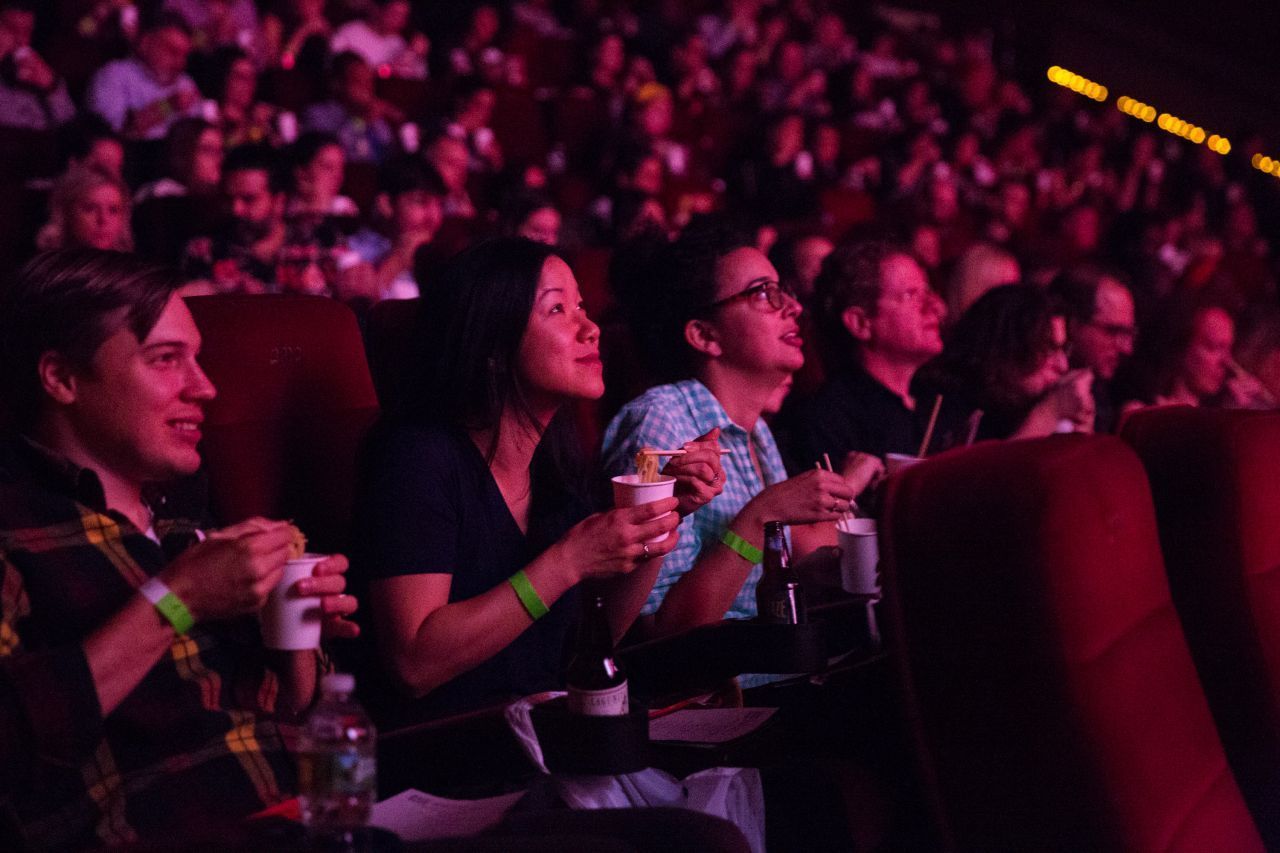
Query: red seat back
[
  {"x": 1054, "y": 701},
  {"x": 294, "y": 402},
  {"x": 389, "y": 342},
  {"x": 1215, "y": 477}
]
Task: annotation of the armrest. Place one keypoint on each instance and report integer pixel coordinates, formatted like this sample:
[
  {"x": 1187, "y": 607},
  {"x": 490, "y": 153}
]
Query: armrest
[
  {"x": 703, "y": 656},
  {"x": 468, "y": 755}
]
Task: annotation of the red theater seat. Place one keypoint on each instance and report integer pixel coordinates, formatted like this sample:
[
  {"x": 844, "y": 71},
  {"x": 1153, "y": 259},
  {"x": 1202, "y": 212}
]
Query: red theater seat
[
  {"x": 1054, "y": 702},
  {"x": 1215, "y": 478},
  {"x": 294, "y": 401},
  {"x": 389, "y": 343}
]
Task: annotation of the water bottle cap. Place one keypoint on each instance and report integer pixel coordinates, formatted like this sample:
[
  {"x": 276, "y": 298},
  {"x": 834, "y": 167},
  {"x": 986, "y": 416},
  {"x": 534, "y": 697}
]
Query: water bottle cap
[{"x": 338, "y": 682}]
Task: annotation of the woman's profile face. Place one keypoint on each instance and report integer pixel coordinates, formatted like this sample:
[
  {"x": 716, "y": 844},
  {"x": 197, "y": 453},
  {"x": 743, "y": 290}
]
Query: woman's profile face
[
  {"x": 206, "y": 162},
  {"x": 323, "y": 176},
  {"x": 97, "y": 220},
  {"x": 751, "y": 334},
  {"x": 1204, "y": 366},
  {"x": 559, "y": 357},
  {"x": 1053, "y": 363}
]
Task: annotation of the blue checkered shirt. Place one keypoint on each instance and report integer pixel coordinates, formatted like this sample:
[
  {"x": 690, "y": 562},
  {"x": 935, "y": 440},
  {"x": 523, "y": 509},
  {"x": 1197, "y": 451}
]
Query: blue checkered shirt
[{"x": 668, "y": 416}]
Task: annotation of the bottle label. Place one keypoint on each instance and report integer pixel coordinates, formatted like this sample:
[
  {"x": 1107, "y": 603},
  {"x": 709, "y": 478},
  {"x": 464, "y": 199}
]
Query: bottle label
[
  {"x": 613, "y": 702},
  {"x": 324, "y": 772}
]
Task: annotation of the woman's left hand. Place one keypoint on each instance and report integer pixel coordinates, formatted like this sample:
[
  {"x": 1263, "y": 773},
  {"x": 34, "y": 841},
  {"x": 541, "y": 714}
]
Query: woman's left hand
[
  {"x": 328, "y": 582},
  {"x": 699, "y": 474}
]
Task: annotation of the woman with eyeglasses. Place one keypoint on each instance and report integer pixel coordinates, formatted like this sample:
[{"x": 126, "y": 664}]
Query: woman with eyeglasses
[
  {"x": 1007, "y": 357},
  {"x": 710, "y": 314}
]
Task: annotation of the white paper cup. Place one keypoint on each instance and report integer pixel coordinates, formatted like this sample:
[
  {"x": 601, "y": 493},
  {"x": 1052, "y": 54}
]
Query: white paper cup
[
  {"x": 291, "y": 622},
  {"x": 629, "y": 491},
  {"x": 859, "y": 556},
  {"x": 895, "y": 462}
]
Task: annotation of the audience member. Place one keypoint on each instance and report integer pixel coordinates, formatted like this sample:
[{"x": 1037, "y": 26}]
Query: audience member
[
  {"x": 1007, "y": 358},
  {"x": 89, "y": 208},
  {"x": 32, "y": 95},
  {"x": 88, "y": 141},
  {"x": 1101, "y": 327},
  {"x": 193, "y": 162},
  {"x": 241, "y": 257},
  {"x": 881, "y": 320},
  {"x": 473, "y": 484},
  {"x": 295, "y": 35},
  {"x": 142, "y": 96},
  {"x": 233, "y": 85},
  {"x": 178, "y": 719},
  {"x": 354, "y": 114},
  {"x": 218, "y": 23},
  {"x": 709, "y": 310},
  {"x": 318, "y": 169},
  {"x": 450, "y": 159},
  {"x": 379, "y": 40},
  {"x": 413, "y": 193},
  {"x": 1186, "y": 359},
  {"x": 531, "y": 215}
]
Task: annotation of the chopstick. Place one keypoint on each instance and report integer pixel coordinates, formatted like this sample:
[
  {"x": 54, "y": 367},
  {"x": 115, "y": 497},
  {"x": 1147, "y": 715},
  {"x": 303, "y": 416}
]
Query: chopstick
[
  {"x": 649, "y": 451},
  {"x": 933, "y": 422},
  {"x": 852, "y": 513}
]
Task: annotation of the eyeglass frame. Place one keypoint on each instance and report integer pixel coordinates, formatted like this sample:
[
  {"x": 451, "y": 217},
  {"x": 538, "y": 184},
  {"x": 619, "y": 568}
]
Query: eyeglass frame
[{"x": 768, "y": 286}]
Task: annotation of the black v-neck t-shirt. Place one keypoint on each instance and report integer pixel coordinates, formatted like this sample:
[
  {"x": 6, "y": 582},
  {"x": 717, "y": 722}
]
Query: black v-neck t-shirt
[{"x": 429, "y": 504}]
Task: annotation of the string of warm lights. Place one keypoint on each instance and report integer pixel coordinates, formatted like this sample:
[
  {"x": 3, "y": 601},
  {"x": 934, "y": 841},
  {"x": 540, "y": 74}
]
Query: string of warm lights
[
  {"x": 1193, "y": 133},
  {"x": 1076, "y": 83},
  {"x": 1266, "y": 164}
]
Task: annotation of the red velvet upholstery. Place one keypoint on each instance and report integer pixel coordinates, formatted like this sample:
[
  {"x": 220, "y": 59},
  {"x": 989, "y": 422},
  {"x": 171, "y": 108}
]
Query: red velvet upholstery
[
  {"x": 389, "y": 344},
  {"x": 1054, "y": 702},
  {"x": 1215, "y": 478},
  {"x": 294, "y": 401}
]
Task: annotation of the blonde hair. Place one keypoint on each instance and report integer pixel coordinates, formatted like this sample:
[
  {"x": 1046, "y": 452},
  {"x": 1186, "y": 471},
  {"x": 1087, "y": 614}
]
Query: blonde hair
[{"x": 75, "y": 185}]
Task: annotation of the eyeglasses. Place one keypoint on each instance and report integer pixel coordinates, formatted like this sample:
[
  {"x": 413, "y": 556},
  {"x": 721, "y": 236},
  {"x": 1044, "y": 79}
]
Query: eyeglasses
[{"x": 762, "y": 294}]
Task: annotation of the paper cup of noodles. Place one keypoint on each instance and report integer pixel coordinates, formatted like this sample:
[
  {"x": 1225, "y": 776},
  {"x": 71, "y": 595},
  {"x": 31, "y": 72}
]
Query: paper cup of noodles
[
  {"x": 895, "y": 462},
  {"x": 859, "y": 555},
  {"x": 628, "y": 490},
  {"x": 291, "y": 622}
]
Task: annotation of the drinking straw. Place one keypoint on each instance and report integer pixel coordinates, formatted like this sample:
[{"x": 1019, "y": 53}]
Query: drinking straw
[
  {"x": 974, "y": 420},
  {"x": 928, "y": 431}
]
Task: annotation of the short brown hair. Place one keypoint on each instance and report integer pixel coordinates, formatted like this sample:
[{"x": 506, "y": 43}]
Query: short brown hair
[
  {"x": 71, "y": 301},
  {"x": 851, "y": 276}
]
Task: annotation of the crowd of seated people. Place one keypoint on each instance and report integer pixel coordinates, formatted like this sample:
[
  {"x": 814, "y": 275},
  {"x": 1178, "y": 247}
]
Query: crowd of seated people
[{"x": 807, "y": 233}]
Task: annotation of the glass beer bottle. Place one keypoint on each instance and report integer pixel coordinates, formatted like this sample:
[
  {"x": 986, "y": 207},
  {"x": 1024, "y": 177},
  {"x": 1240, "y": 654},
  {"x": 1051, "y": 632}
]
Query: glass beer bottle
[
  {"x": 779, "y": 597},
  {"x": 596, "y": 683}
]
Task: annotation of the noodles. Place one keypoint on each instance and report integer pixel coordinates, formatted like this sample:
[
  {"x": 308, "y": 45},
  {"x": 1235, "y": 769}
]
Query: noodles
[
  {"x": 298, "y": 544},
  {"x": 647, "y": 465}
]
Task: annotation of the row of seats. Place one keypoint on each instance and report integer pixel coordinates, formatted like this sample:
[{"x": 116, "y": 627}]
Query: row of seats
[{"x": 1083, "y": 666}]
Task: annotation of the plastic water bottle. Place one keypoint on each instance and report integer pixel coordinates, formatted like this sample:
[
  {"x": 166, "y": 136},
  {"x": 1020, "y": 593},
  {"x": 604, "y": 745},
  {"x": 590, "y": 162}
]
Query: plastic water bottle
[{"x": 337, "y": 766}]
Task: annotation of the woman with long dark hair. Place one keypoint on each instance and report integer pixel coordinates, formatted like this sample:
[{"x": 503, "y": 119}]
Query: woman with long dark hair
[
  {"x": 474, "y": 526},
  {"x": 1007, "y": 356}
]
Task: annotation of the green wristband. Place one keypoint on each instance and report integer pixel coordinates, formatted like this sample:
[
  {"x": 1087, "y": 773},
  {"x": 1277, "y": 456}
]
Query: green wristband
[
  {"x": 168, "y": 605},
  {"x": 528, "y": 596},
  {"x": 741, "y": 547}
]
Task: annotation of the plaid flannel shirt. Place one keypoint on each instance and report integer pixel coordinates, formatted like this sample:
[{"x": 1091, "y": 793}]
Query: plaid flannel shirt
[{"x": 193, "y": 746}]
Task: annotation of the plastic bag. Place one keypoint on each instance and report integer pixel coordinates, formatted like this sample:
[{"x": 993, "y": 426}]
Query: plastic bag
[{"x": 733, "y": 793}]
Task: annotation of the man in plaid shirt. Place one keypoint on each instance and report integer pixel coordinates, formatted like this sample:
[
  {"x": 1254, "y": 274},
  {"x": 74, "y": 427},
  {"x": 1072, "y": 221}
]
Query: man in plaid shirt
[{"x": 136, "y": 685}]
